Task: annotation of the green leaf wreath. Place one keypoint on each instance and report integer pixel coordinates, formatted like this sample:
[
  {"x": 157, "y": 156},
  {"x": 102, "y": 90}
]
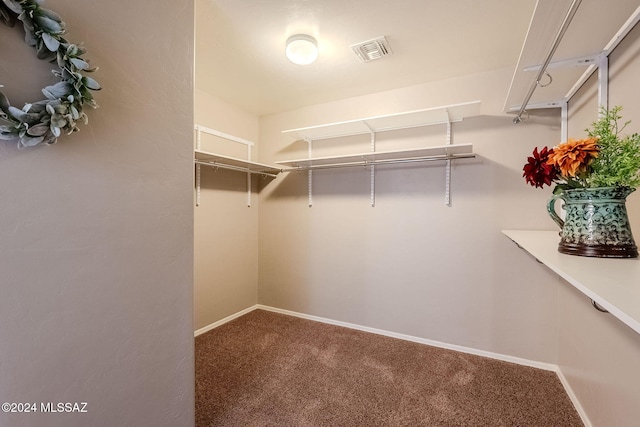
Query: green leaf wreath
[{"x": 44, "y": 121}]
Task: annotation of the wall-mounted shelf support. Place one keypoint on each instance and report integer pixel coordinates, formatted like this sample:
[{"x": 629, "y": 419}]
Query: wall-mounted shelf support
[
  {"x": 602, "y": 57},
  {"x": 598, "y": 61},
  {"x": 204, "y": 158},
  {"x": 595, "y": 62},
  {"x": 603, "y": 81},
  {"x": 552, "y": 50},
  {"x": 198, "y": 172},
  {"x": 564, "y": 121},
  {"x": 249, "y": 178},
  {"x": 564, "y": 63},
  {"x": 310, "y": 174},
  {"x": 373, "y": 167},
  {"x": 598, "y": 307},
  {"x": 447, "y": 174}
]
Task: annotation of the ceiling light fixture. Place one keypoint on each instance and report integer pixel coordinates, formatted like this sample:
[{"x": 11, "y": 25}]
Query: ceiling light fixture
[{"x": 302, "y": 49}]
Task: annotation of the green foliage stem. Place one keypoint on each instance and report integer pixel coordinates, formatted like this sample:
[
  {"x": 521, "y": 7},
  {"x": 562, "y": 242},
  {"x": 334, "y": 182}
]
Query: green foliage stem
[{"x": 618, "y": 162}]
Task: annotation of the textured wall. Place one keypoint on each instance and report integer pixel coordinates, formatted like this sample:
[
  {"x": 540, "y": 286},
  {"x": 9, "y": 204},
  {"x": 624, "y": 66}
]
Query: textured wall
[
  {"x": 96, "y": 252},
  {"x": 226, "y": 230},
  {"x": 597, "y": 353},
  {"x": 411, "y": 264}
]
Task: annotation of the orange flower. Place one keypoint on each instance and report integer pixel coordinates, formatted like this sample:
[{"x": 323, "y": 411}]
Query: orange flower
[{"x": 573, "y": 157}]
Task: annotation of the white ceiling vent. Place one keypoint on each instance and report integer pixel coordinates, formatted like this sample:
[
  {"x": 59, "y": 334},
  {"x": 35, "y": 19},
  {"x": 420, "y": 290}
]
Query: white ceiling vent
[{"x": 372, "y": 49}]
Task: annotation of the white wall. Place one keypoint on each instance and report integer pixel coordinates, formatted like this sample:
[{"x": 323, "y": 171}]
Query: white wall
[
  {"x": 413, "y": 265},
  {"x": 226, "y": 229},
  {"x": 96, "y": 253},
  {"x": 598, "y": 354}
]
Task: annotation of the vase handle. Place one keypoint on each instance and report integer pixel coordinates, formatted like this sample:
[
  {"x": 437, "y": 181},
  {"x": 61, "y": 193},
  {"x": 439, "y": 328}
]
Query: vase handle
[{"x": 551, "y": 208}]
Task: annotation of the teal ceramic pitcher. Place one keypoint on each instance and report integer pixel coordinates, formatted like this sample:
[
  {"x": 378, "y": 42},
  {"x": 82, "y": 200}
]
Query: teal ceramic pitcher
[{"x": 596, "y": 222}]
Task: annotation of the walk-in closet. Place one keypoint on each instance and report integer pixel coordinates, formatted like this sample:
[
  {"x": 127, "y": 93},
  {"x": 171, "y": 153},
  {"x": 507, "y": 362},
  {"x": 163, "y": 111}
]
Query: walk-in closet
[{"x": 379, "y": 190}]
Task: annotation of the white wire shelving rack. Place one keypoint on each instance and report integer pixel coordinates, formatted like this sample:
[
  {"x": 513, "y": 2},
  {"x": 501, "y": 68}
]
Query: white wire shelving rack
[
  {"x": 372, "y": 125},
  {"x": 214, "y": 160},
  {"x": 596, "y": 61}
]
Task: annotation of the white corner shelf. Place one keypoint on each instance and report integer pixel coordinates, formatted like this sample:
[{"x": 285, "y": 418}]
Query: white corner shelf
[
  {"x": 440, "y": 152},
  {"x": 218, "y": 160},
  {"x": 417, "y": 118},
  {"x": 215, "y": 160},
  {"x": 613, "y": 284}
]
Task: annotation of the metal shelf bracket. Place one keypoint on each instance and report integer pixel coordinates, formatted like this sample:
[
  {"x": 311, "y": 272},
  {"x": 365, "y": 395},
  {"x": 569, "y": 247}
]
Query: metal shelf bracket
[
  {"x": 447, "y": 177},
  {"x": 310, "y": 174},
  {"x": 198, "y": 172},
  {"x": 373, "y": 167}
]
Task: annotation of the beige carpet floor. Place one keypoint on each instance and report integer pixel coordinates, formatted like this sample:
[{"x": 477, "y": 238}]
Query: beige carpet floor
[{"x": 268, "y": 369}]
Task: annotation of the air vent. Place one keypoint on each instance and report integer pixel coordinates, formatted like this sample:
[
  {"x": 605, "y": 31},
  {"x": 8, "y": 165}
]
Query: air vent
[{"x": 372, "y": 49}]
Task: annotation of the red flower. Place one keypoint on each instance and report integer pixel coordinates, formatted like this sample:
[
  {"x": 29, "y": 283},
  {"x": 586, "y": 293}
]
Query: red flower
[{"x": 537, "y": 172}]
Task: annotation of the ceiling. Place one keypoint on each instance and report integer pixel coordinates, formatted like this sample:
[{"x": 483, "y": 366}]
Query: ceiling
[{"x": 240, "y": 44}]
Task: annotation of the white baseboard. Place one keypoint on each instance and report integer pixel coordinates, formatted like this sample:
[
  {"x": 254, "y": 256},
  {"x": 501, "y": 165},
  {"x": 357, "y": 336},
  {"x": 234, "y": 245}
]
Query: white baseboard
[
  {"x": 497, "y": 356},
  {"x": 225, "y": 320},
  {"x": 574, "y": 398},
  {"x": 468, "y": 350}
]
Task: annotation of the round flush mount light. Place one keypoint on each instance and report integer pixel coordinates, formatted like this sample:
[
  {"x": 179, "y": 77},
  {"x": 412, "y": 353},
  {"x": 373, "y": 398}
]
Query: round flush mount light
[{"x": 302, "y": 49}]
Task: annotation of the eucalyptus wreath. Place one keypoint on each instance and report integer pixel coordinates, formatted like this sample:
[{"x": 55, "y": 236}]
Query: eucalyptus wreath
[{"x": 44, "y": 121}]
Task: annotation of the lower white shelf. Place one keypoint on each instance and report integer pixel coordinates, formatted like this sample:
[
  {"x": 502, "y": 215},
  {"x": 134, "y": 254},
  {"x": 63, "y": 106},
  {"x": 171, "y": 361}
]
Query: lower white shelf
[
  {"x": 439, "y": 152},
  {"x": 218, "y": 160},
  {"x": 614, "y": 284}
]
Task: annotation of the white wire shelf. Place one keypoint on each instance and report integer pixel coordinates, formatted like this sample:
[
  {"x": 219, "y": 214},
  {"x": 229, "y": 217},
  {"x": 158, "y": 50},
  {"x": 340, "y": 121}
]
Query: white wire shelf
[
  {"x": 434, "y": 153},
  {"x": 226, "y": 162},
  {"x": 409, "y": 119},
  {"x": 612, "y": 284}
]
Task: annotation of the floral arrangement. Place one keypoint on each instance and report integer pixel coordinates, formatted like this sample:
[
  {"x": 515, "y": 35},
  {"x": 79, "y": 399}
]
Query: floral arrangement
[
  {"x": 606, "y": 158},
  {"x": 44, "y": 121}
]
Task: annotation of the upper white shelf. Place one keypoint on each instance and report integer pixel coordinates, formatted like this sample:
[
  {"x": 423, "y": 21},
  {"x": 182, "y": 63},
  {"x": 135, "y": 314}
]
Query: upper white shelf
[
  {"x": 576, "y": 56},
  {"x": 409, "y": 119},
  {"x": 218, "y": 160},
  {"x": 612, "y": 283},
  {"x": 440, "y": 152}
]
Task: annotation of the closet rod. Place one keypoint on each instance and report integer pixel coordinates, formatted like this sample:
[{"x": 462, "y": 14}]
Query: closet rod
[
  {"x": 234, "y": 168},
  {"x": 381, "y": 162},
  {"x": 543, "y": 69}
]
